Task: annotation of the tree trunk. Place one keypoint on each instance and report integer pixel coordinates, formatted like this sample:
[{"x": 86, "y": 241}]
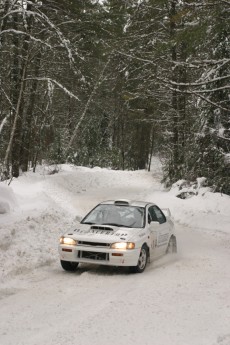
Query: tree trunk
[
  {"x": 15, "y": 162},
  {"x": 26, "y": 143}
]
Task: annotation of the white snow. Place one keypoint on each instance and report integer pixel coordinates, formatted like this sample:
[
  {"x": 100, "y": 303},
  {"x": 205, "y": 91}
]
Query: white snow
[
  {"x": 179, "y": 300},
  {"x": 7, "y": 199},
  {"x": 2, "y": 124}
]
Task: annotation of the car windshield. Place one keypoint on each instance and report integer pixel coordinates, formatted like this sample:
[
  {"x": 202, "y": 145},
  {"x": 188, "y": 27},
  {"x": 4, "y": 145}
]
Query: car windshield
[{"x": 116, "y": 215}]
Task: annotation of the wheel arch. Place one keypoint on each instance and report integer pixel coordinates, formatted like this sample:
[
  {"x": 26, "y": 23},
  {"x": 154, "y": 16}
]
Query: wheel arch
[
  {"x": 173, "y": 240},
  {"x": 147, "y": 246}
]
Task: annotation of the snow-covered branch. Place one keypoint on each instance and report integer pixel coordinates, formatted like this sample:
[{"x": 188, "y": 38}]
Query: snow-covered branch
[
  {"x": 197, "y": 94},
  {"x": 18, "y": 32},
  {"x": 215, "y": 89},
  {"x": 135, "y": 57},
  {"x": 222, "y": 137},
  {"x": 201, "y": 62},
  {"x": 217, "y": 105},
  {"x": 8, "y": 98},
  {"x": 204, "y": 3},
  {"x": 225, "y": 2},
  {"x": 38, "y": 13},
  {"x": 4, "y": 121},
  {"x": 203, "y": 83},
  {"x": 53, "y": 81}
]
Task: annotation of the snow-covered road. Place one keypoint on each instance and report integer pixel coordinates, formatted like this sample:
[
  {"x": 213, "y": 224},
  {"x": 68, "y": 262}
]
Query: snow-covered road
[{"x": 181, "y": 299}]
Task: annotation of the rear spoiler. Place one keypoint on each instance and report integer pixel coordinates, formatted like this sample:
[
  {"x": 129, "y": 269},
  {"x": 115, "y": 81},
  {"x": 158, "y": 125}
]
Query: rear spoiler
[{"x": 166, "y": 212}]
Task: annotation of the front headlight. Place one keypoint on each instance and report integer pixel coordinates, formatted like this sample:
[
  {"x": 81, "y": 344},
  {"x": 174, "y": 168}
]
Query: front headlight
[
  {"x": 67, "y": 240},
  {"x": 123, "y": 245}
]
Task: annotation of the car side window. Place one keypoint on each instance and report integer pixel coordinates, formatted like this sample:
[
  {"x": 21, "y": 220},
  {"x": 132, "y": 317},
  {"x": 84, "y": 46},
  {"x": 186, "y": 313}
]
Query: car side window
[
  {"x": 159, "y": 215},
  {"x": 152, "y": 215},
  {"x": 149, "y": 218}
]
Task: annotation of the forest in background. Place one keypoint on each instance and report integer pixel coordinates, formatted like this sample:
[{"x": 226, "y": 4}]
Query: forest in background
[{"x": 111, "y": 83}]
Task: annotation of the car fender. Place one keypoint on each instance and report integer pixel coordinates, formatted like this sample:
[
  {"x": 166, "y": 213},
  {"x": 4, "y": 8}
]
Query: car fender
[{"x": 140, "y": 239}]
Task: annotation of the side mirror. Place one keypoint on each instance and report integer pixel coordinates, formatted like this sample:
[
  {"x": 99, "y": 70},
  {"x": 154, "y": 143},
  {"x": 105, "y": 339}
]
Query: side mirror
[{"x": 154, "y": 225}]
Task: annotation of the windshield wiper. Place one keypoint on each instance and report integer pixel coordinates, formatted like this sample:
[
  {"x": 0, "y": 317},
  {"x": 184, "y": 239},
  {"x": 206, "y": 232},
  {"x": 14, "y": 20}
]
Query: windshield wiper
[{"x": 88, "y": 223}]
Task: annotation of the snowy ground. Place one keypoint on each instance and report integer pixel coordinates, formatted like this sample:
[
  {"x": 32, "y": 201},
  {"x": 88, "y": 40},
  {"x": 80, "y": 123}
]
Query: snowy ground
[{"x": 178, "y": 300}]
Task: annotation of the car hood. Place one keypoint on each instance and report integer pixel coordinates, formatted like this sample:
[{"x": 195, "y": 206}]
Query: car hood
[{"x": 104, "y": 233}]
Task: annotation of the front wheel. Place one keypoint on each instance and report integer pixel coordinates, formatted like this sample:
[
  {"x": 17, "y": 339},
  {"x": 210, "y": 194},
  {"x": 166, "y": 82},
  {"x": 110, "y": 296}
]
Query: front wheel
[
  {"x": 142, "y": 261},
  {"x": 69, "y": 266},
  {"x": 172, "y": 245}
]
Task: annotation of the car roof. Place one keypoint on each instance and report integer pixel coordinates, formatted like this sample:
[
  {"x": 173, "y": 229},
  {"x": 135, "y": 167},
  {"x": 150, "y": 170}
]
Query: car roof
[{"x": 125, "y": 202}]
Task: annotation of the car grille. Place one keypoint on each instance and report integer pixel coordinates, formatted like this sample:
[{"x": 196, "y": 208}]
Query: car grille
[
  {"x": 93, "y": 244},
  {"x": 95, "y": 256}
]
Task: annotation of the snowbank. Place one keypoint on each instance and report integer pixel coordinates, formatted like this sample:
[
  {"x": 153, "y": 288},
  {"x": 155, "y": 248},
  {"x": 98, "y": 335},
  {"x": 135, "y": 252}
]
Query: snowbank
[
  {"x": 209, "y": 211},
  {"x": 7, "y": 199}
]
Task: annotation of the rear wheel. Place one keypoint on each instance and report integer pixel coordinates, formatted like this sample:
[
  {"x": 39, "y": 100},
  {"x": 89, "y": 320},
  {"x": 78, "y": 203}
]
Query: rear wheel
[
  {"x": 172, "y": 245},
  {"x": 69, "y": 266},
  {"x": 142, "y": 261}
]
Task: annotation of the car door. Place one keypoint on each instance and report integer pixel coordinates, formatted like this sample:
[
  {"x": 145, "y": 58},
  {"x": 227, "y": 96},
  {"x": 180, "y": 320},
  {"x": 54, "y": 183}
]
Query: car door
[
  {"x": 163, "y": 232},
  {"x": 159, "y": 230},
  {"x": 154, "y": 226}
]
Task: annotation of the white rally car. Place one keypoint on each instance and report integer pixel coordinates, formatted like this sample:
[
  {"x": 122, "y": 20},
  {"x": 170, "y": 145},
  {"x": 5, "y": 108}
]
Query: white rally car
[{"x": 119, "y": 233}]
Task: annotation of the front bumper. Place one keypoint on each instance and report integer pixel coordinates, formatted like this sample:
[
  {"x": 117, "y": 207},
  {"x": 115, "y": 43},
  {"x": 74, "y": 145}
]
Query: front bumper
[{"x": 99, "y": 256}]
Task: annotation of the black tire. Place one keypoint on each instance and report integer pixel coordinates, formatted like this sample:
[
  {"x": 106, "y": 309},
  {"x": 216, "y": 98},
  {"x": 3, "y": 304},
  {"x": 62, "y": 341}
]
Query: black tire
[
  {"x": 142, "y": 261},
  {"x": 69, "y": 266},
  {"x": 172, "y": 245}
]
